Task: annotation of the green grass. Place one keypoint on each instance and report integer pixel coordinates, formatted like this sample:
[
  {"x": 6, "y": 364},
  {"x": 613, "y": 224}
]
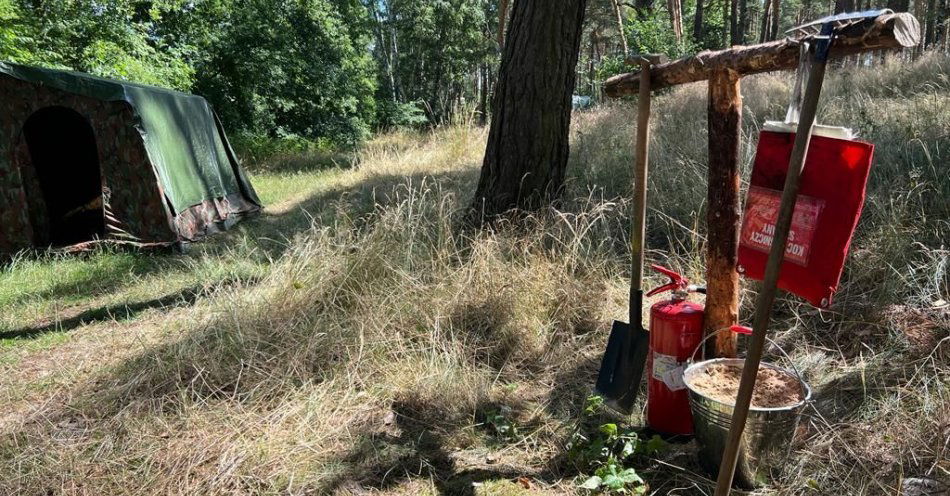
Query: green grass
[
  {"x": 354, "y": 338},
  {"x": 37, "y": 289}
]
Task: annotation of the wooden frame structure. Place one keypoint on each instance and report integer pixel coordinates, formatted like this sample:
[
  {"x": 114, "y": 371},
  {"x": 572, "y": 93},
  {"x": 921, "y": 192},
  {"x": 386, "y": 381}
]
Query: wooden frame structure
[{"x": 724, "y": 70}]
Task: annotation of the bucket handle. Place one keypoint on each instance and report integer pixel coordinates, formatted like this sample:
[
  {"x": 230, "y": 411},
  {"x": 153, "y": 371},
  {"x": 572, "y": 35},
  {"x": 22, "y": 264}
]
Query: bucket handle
[{"x": 738, "y": 329}]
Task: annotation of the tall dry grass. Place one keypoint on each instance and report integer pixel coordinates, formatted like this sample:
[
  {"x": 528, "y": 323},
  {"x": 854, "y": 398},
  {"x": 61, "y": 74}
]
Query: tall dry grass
[{"x": 384, "y": 343}]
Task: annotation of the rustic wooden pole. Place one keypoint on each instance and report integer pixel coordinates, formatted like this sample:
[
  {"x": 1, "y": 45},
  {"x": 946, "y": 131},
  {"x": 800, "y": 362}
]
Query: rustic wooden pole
[
  {"x": 766, "y": 298},
  {"x": 887, "y": 31},
  {"x": 722, "y": 210}
]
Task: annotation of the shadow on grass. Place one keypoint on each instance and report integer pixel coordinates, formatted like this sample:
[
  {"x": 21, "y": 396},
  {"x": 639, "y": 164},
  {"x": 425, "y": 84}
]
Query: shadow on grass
[
  {"x": 421, "y": 442},
  {"x": 273, "y": 232},
  {"x": 123, "y": 311},
  {"x": 101, "y": 278},
  {"x": 417, "y": 445},
  {"x": 270, "y": 233},
  {"x": 843, "y": 399}
]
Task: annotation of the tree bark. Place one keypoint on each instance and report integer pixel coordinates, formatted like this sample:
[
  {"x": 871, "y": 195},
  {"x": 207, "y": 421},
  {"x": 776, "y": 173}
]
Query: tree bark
[
  {"x": 843, "y": 6},
  {"x": 886, "y": 32},
  {"x": 920, "y": 12},
  {"x": 725, "y": 23},
  {"x": 930, "y": 32},
  {"x": 776, "y": 19},
  {"x": 623, "y": 36},
  {"x": 502, "y": 17},
  {"x": 743, "y": 23},
  {"x": 766, "y": 22},
  {"x": 527, "y": 147},
  {"x": 483, "y": 80},
  {"x": 676, "y": 21},
  {"x": 734, "y": 22},
  {"x": 722, "y": 210},
  {"x": 698, "y": 22}
]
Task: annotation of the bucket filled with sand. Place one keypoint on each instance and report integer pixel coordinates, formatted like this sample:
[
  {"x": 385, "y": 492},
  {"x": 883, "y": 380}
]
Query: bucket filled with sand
[{"x": 778, "y": 399}]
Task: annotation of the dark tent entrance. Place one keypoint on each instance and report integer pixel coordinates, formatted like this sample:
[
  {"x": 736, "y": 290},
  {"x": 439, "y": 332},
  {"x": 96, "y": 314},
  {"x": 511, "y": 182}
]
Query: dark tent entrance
[{"x": 65, "y": 159}]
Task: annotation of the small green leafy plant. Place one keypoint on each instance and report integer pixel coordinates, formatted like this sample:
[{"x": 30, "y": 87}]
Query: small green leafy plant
[
  {"x": 501, "y": 424},
  {"x": 606, "y": 451},
  {"x": 610, "y": 478}
]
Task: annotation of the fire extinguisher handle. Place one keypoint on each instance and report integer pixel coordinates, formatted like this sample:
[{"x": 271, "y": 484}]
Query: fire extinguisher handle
[
  {"x": 675, "y": 277},
  {"x": 676, "y": 280},
  {"x": 666, "y": 287}
]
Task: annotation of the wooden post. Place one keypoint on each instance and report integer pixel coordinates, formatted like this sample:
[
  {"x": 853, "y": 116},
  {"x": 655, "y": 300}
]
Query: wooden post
[{"x": 722, "y": 209}]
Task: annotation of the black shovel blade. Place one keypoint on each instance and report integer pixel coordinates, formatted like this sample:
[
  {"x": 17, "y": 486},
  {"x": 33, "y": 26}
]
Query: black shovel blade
[{"x": 621, "y": 368}]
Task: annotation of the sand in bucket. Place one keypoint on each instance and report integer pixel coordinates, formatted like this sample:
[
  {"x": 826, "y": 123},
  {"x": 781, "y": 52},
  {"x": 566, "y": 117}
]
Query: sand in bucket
[
  {"x": 777, "y": 403},
  {"x": 773, "y": 388}
]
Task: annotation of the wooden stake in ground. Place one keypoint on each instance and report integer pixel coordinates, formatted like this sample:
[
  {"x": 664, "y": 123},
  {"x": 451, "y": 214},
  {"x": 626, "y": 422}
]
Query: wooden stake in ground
[
  {"x": 722, "y": 211},
  {"x": 763, "y": 304}
]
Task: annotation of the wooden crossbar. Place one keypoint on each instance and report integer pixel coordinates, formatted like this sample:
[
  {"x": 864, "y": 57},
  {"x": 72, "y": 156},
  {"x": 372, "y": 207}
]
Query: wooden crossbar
[{"x": 888, "y": 31}]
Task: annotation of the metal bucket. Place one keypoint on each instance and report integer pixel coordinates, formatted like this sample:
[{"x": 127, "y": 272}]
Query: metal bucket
[{"x": 766, "y": 440}]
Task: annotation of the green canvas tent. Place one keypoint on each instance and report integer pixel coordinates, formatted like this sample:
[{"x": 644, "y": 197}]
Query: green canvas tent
[{"x": 85, "y": 158}]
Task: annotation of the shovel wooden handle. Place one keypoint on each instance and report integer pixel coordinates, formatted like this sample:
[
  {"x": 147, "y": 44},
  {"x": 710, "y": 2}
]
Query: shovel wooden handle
[{"x": 638, "y": 231}]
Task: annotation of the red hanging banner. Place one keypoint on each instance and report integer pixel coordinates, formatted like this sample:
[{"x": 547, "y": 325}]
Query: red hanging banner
[{"x": 831, "y": 195}]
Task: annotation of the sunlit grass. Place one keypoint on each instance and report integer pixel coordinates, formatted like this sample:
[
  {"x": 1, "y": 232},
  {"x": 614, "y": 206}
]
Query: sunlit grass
[{"x": 355, "y": 338}]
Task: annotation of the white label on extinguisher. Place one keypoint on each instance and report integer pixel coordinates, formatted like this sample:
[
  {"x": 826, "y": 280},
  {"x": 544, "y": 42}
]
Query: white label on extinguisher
[{"x": 668, "y": 371}]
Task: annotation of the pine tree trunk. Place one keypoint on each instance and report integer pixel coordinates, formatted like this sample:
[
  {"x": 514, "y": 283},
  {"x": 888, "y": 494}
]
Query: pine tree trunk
[
  {"x": 676, "y": 22},
  {"x": 527, "y": 147},
  {"x": 623, "y": 36},
  {"x": 483, "y": 95},
  {"x": 502, "y": 17},
  {"x": 766, "y": 22},
  {"x": 726, "y": 28},
  {"x": 919, "y": 13},
  {"x": 698, "y": 22},
  {"x": 930, "y": 32},
  {"x": 843, "y": 6},
  {"x": 743, "y": 21},
  {"x": 734, "y": 22},
  {"x": 776, "y": 19}
]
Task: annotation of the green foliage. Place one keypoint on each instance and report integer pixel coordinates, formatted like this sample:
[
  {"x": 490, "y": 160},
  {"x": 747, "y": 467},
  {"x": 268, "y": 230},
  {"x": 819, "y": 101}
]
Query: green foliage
[
  {"x": 611, "y": 65},
  {"x": 651, "y": 33},
  {"x": 112, "y": 39},
  {"x": 503, "y": 427},
  {"x": 612, "y": 479},
  {"x": 279, "y": 69},
  {"x": 294, "y": 68},
  {"x": 427, "y": 51},
  {"x": 606, "y": 451},
  {"x": 256, "y": 150},
  {"x": 392, "y": 115},
  {"x": 11, "y": 36},
  {"x": 141, "y": 63}
]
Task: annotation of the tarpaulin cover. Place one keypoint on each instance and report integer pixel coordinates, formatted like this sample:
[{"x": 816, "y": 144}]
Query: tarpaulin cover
[
  {"x": 831, "y": 195},
  {"x": 190, "y": 153}
]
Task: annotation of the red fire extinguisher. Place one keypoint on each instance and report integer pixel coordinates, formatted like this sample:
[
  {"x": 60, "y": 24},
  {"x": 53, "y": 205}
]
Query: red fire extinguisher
[{"x": 676, "y": 329}]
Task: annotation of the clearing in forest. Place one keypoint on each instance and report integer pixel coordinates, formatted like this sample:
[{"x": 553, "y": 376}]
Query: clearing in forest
[{"x": 354, "y": 337}]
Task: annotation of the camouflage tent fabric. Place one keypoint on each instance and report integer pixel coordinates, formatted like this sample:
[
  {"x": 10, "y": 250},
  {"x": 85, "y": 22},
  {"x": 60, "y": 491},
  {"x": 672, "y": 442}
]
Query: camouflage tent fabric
[{"x": 166, "y": 163}]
